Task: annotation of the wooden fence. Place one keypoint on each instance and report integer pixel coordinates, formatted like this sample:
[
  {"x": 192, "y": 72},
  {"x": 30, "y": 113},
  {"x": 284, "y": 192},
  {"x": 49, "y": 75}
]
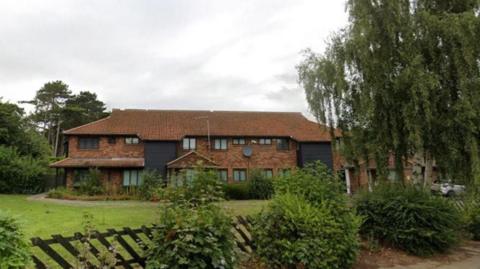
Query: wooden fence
[{"x": 62, "y": 252}]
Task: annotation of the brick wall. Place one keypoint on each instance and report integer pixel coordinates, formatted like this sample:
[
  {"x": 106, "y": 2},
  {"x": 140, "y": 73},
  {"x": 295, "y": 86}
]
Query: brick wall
[
  {"x": 106, "y": 150},
  {"x": 263, "y": 157}
]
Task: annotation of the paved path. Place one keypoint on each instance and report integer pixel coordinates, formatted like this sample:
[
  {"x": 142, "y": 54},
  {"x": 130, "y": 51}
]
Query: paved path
[
  {"x": 465, "y": 257},
  {"x": 42, "y": 198}
]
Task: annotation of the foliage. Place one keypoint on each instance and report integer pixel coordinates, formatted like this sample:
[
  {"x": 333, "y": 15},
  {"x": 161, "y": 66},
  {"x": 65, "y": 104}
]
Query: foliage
[
  {"x": 14, "y": 250},
  {"x": 236, "y": 191},
  {"x": 203, "y": 187},
  {"x": 20, "y": 173},
  {"x": 151, "y": 183},
  {"x": 82, "y": 108},
  {"x": 67, "y": 194},
  {"x": 57, "y": 109},
  {"x": 16, "y": 132},
  {"x": 294, "y": 233},
  {"x": 107, "y": 258},
  {"x": 259, "y": 186},
  {"x": 188, "y": 237},
  {"x": 409, "y": 218},
  {"x": 315, "y": 183},
  {"x": 474, "y": 223},
  {"x": 402, "y": 78},
  {"x": 92, "y": 184},
  {"x": 23, "y": 153}
]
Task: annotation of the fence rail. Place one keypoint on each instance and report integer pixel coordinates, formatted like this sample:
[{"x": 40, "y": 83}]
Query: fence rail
[{"x": 61, "y": 252}]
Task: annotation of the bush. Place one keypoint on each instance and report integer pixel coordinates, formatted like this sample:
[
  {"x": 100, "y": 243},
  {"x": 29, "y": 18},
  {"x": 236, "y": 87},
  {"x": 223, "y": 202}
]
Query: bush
[
  {"x": 92, "y": 184},
  {"x": 259, "y": 186},
  {"x": 309, "y": 223},
  {"x": 151, "y": 183},
  {"x": 187, "y": 237},
  {"x": 315, "y": 183},
  {"x": 409, "y": 218},
  {"x": 14, "y": 250},
  {"x": 202, "y": 188},
  {"x": 236, "y": 191},
  {"x": 21, "y": 174},
  {"x": 293, "y": 233},
  {"x": 474, "y": 223},
  {"x": 58, "y": 193}
]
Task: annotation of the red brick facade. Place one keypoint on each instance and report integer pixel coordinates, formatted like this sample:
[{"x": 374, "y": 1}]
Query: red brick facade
[
  {"x": 105, "y": 149},
  {"x": 263, "y": 157}
]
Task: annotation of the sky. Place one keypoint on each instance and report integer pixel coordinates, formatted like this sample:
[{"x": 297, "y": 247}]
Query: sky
[{"x": 165, "y": 54}]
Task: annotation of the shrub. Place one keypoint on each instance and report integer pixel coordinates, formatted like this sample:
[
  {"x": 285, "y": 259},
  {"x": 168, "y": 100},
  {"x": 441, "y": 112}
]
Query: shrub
[
  {"x": 203, "y": 187},
  {"x": 21, "y": 174},
  {"x": 409, "y": 218},
  {"x": 92, "y": 184},
  {"x": 259, "y": 186},
  {"x": 315, "y": 183},
  {"x": 474, "y": 223},
  {"x": 188, "y": 237},
  {"x": 58, "y": 193},
  {"x": 14, "y": 250},
  {"x": 293, "y": 233},
  {"x": 151, "y": 183},
  {"x": 236, "y": 191}
]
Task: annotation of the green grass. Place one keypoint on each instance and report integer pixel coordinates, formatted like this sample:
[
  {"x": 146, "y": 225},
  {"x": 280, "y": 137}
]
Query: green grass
[{"x": 44, "y": 218}]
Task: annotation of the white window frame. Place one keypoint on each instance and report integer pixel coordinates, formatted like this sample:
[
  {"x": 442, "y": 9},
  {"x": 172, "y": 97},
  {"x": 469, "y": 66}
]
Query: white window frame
[
  {"x": 220, "y": 143},
  {"x": 189, "y": 143}
]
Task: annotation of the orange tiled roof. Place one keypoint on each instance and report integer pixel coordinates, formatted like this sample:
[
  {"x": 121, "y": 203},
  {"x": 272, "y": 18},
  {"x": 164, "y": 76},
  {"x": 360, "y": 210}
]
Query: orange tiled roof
[
  {"x": 99, "y": 162},
  {"x": 176, "y": 124}
]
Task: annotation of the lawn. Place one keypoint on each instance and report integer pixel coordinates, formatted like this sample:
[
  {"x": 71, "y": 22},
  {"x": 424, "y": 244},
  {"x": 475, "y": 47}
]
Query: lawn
[{"x": 44, "y": 218}]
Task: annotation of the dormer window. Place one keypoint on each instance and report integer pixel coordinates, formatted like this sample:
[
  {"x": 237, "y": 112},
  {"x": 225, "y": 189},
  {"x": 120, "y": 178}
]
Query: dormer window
[
  {"x": 132, "y": 140},
  {"x": 189, "y": 143}
]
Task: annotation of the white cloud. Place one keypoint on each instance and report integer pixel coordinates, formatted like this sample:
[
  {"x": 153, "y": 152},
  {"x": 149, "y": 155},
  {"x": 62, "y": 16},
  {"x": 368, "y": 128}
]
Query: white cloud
[{"x": 205, "y": 54}]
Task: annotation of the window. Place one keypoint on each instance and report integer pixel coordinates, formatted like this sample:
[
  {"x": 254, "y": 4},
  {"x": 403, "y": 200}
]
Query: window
[
  {"x": 132, "y": 140},
  {"x": 79, "y": 175},
  {"x": 189, "y": 175},
  {"x": 239, "y": 175},
  {"x": 112, "y": 140},
  {"x": 189, "y": 143},
  {"x": 265, "y": 141},
  {"x": 268, "y": 173},
  {"x": 284, "y": 172},
  {"x": 238, "y": 141},
  {"x": 223, "y": 174},
  {"x": 88, "y": 142},
  {"x": 220, "y": 143},
  {"x": 282, "y": 144},
  {"x": 131, "y": 178}
]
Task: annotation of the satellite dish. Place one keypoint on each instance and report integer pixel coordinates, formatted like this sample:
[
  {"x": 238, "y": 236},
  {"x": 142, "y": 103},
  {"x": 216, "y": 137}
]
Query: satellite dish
[{"x": 247, "y": 151}]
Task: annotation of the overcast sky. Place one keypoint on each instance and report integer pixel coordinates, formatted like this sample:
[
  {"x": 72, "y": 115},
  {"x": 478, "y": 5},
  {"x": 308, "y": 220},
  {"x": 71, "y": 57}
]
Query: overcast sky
[{"x": 165, "y": 54}]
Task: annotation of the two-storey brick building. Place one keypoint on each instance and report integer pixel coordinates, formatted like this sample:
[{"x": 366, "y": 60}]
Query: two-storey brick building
[{"x": 233, "y": 143}]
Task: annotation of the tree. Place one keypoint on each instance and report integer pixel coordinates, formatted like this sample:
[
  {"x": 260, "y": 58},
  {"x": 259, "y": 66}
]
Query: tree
[
  {"x": 402, "y": 78},
  {"x": 16, "y": 132},
  {"x": 49, "y": 103},
  {"x": 81, "y": 109},
  {"x": 57, "y": 109}
]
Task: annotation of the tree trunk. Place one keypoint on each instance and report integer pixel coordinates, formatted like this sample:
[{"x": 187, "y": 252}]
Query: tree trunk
[
  {"x": 427, "y": 175},
  {"x": 57, "y": 135}
]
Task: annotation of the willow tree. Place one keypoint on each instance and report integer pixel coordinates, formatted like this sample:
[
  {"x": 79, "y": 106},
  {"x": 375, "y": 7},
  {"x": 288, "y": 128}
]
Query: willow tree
[{"x": 387, "y": 82}]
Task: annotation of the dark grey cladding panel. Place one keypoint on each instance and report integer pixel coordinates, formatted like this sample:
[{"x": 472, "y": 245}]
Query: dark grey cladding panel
[
  {"x": 158, "y": 154},
  {"x": 310, "y": 152}
]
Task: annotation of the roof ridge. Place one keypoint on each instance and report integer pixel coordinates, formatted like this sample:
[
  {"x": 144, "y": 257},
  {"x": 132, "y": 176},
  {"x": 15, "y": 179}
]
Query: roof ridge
[
  {"x": 195, "y": 110},
  {"x": 87, "y": 124}
]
